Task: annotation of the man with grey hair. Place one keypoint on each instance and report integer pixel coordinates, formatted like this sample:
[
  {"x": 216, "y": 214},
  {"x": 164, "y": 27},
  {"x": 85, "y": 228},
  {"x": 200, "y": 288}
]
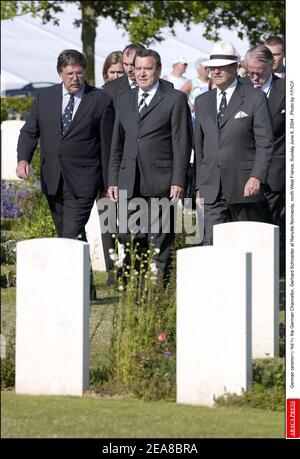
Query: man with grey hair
[
  {"x": 151, "y": 147},
  {"x": 233, "y": 144},
  {"x": 259, "y": 62},
  {"x": 74, "y": 123}
]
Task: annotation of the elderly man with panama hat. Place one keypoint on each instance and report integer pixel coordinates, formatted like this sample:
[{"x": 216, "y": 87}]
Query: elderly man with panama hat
[{"x": 233, "y": 144}]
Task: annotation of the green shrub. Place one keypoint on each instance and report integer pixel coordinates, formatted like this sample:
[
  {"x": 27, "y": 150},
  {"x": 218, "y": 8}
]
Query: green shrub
[
  {"x": 144, "y": 330},
  {"x": 6, "y": 224},
  {"x": 7, "y": 249},
  {"x": 37, "y": 221},
  {"x": 8, "y": 364},
  {"x": 8, "y": 276},
  {"x": 269, "y": 372},
  {"x": 268, "y": 389},
  {"x": 11, "y": 105}
]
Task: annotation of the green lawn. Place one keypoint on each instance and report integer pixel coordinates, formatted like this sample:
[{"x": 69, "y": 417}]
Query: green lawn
[
  {"x": 90, "y": 416},
  {"x": 93, "y": 416}
]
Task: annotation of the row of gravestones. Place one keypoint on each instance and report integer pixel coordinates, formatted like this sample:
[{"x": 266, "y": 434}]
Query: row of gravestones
[{"x": 227, "y": 313}]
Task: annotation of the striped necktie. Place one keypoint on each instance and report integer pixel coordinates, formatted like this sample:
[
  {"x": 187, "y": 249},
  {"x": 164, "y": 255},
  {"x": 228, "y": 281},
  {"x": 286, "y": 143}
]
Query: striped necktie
[
  {"x": 222, "y": 107},
  {"x": 142, "y": 105}
]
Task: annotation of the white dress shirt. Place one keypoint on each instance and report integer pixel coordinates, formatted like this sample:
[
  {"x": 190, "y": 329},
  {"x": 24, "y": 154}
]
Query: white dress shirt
[
  {"x": 151, "y": 93},
  {"x": 267, "y": 86},
  {"x": 77, "y": 99},
  {"x": 229, "y": 91}
]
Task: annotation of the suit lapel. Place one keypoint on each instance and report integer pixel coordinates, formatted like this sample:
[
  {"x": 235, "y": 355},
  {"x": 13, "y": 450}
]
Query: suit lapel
[
  {"x": 212, "y": 106},
  {"x": 156, "y": 99},
  {"x": 84, "y": 106},
  {"x": 236, "y": 100},
  {"x": 276, "y": 96},
  {"x": 56, "y": 104}
]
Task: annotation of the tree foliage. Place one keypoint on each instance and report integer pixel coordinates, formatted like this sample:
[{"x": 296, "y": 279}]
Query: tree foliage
[{"x": 145, "y": 20}]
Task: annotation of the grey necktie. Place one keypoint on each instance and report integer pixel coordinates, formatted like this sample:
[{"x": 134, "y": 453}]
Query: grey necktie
[
  {"x": 222, "y": 107},
  {"x": 133, "y": 84},
  {"x": 67, "y": 115},
  {"x": 142, "y": 104}
]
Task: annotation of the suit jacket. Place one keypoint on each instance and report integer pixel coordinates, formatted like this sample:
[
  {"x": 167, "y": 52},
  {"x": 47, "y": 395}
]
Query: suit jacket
[
  {"x": 117, "y": 87},
  {"x": 82, "y": 154},
  {"x": 159, "y": 141},
  {"x": 239, "y": 149},
  {"x": 276, "y": 104}
]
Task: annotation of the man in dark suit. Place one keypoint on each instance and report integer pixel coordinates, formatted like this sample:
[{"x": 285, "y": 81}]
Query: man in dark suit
[
  {"x": 126, "y": 82},
  {"x": 114, "y": 88},
  {"x": 233, "y": 145},
  {"x": 151, "y": 146},
  {"x": 259, "y": 61},
  {"x": 74, "y": 123}
]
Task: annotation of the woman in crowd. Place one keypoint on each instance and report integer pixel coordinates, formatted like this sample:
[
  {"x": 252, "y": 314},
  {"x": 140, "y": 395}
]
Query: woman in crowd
[{"x": 113, "y": 66}]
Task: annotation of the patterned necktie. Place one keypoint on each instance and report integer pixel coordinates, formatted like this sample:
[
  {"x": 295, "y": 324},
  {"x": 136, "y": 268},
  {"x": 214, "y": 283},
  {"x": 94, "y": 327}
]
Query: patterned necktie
[
  {"x": 67, "y": 115},
  {"x": 142, "y": 105},
  {"x": 133, "y": 84},
  {"x": 222, "y": 107}
]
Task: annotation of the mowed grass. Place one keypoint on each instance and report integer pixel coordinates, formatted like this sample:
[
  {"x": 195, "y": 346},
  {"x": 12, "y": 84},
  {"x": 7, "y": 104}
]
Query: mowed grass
[
  {"x": 98, "y": 417},
  {"x": 89, "y": 416}
]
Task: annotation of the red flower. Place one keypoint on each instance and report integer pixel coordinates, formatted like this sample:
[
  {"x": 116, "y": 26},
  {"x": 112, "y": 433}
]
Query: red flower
[{"x": 162, "y": 336}]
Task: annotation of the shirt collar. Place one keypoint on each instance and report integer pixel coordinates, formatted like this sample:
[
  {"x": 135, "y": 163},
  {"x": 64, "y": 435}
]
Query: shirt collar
[
  {"x": 131, "y": 81},
  {"x": 229, "y": 90},
  {"x": 78, "y": 94},
  {"x": 150, "y": 91},
  {"x": 267, "y": 85}
]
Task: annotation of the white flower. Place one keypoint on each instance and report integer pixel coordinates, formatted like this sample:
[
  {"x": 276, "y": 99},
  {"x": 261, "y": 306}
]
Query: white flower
[
  {"x": 111, "y": 251},
  {"x": 113, "y": 257},
  {"x": 153, "y": 268},
  {"x": 120, "y": 257},
  {"x": 156, "y": 251}
]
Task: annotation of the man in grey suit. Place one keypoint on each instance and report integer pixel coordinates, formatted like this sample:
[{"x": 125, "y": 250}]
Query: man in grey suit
[
  {"x": 151, "y": 146},
  {"x": 233, "y": 145},
  {"x": 259, "y": 62}
]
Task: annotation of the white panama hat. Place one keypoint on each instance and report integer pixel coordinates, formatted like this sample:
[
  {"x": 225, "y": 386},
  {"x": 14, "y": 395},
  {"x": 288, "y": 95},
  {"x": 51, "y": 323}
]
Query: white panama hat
[{"x": 223, "y": 53}]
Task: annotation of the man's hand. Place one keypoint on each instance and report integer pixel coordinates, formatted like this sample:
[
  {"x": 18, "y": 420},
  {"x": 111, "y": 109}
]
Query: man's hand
[
  {"x": 176, "y": 192},
  {"x": 23, "y": 169},
  {"x": 252, "y": 187},
  {"x": 112, "y": 193}
]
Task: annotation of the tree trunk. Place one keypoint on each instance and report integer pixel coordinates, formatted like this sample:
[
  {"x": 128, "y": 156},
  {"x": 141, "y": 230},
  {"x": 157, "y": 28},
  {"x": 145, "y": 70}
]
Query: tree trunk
[{"x": 88, "y": 37}]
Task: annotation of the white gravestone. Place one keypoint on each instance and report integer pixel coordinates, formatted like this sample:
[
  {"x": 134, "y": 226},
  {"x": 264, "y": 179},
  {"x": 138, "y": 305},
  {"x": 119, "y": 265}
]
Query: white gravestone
[
  {"x": 10, "y": 131},
  {"x": 213, "y": 323},
  {"x": 52, "y": 323},
  {"x": 262, "y": 240},
  {"x": 93, "y": 234}
]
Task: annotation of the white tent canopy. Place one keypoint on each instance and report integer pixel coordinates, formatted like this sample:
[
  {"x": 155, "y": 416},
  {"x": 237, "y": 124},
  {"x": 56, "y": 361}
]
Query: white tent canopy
[{"x": 29, "y": 48}]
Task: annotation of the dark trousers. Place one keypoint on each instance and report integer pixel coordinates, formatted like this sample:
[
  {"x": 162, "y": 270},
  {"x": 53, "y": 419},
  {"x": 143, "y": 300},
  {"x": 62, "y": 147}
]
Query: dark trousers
[
  {"x": 70, "y": 213},
  {"x": 149, "y": 223},
  {"x": 222, "y": 212},
  {"x": 274, "y": 208}
]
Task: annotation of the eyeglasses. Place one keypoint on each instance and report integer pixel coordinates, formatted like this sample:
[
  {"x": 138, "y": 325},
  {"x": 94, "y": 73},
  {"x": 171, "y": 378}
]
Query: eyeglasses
[
  {"x": 259, "y": 74},
  {"x": 71, "y": 75}
]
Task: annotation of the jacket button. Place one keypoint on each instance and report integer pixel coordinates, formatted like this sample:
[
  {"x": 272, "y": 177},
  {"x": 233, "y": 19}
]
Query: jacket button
[{"x": 218, "y": 167}]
